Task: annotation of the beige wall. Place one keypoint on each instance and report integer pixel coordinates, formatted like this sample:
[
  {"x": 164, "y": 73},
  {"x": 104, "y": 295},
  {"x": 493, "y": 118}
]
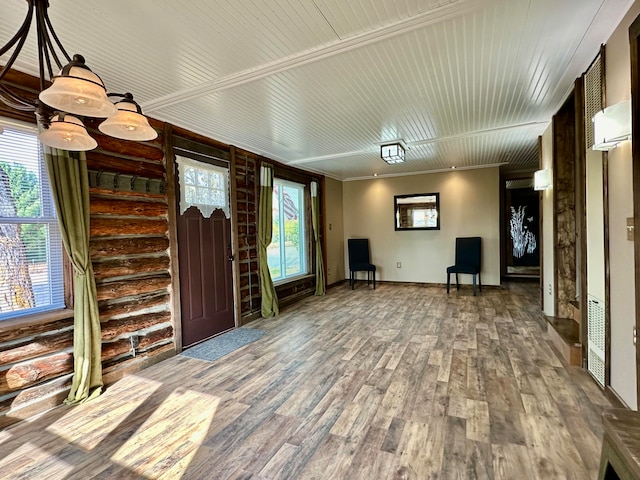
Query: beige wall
[
  {"x": 469, "y": 206},
  {"x": 334, "y": 231},
  {"x": 621, "y": 259},
  {"x": 548, "y": 264}
]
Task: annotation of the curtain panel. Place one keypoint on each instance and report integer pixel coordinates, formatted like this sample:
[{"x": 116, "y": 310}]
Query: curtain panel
[
  {"x": 70, "y": 190},
  {"x": 315, "y": 220},
  {"x": 265, "y": 227}
]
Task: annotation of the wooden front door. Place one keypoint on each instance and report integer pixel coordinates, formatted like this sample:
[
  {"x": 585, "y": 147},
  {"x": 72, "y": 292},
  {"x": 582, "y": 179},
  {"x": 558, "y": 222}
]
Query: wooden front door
[{"x": 206, "y": 283}]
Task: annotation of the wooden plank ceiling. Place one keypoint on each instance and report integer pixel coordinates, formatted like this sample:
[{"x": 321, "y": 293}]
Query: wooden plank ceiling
[{"x": 320, "y": 84}]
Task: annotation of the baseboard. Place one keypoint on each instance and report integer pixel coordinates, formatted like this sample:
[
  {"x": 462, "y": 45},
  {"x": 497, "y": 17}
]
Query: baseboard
[
  {"x": 614, "y": 398},
  {"x": 423, "y": 284},
  {"x": 338, "y": 284}
]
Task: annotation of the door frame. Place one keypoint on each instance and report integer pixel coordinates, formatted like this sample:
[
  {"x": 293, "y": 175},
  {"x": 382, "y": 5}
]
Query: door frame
[
  {"x": 198, "y": 151},
  {"x": 634, "y": 44}
]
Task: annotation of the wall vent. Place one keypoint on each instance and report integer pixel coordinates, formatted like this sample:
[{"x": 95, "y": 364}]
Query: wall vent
[
  {"x": 592, "y": 98},
  {"x": 596, "y": 335}
]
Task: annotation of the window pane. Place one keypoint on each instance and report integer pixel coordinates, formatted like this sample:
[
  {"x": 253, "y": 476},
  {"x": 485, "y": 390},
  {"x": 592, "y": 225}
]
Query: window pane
[
  {"x": 291, "y": 207},
  {"x": 286, "y": 255},
  {"x": 31, "y": 276}
]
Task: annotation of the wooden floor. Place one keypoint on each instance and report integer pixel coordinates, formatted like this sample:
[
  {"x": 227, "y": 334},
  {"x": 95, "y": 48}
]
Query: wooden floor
[{"x": 401, "y": 382}]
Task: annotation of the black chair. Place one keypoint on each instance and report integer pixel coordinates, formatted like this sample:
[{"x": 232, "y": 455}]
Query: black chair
[
  {"x": 468, "y": 255},
  {"x": 359, "y": 260}
]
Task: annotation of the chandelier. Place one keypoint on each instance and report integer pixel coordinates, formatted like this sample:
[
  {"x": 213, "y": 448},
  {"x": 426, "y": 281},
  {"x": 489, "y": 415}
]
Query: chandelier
[{"x": 75, "y": 92}]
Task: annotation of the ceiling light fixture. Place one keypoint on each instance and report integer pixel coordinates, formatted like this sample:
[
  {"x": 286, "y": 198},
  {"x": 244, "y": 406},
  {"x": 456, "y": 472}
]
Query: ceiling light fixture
[
  {"x": 75, "y": 90},
  {"x": 392, "y": 153},
  {"x": 612, "y": 126}
]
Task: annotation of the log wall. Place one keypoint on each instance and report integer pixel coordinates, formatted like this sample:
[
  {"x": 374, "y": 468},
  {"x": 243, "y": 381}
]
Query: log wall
[{"x": 130, "y": 251}]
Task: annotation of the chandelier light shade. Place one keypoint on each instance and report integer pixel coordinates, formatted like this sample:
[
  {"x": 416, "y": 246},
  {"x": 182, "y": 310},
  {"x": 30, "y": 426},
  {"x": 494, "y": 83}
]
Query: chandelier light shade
[
  {"x": 75, "y": 91},
  {"x": 128, "y": 123},
  {"x": 67, "y": 132},
  {"x": 392, "y": 153}
]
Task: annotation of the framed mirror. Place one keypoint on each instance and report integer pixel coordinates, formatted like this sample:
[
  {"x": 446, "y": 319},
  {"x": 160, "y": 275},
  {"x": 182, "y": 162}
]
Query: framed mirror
[{"x": 417, "y": 211}]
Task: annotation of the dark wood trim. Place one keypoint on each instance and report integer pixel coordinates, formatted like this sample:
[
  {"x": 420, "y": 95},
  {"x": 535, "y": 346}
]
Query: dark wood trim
[
  {"x": 503, "y": 227},
  {"x": 607, "y": 270},
  {"x": 170, "y": 169},
  {"x": 235, "y": 245},
  {"x": 581, "y": 210},
  {"x": 199, "y": 150},
  {"x": 554, "y": 171},
  {"x": 541, "y": 230},
  {"x": 606, "y": 220},
  {"x": 322, "y": 228},
  {"x": 634, "y": 40},
  {"x": 194, "y": 142}
]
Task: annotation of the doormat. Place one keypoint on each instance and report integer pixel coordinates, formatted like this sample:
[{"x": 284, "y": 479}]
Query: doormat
[{"x": 224, "y": 344}]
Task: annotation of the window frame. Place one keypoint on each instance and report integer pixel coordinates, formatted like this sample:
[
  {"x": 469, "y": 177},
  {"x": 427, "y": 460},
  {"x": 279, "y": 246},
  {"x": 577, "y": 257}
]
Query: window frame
[
  {"x": 305, "y": 213},
  {"x": 49, "y": 217}
]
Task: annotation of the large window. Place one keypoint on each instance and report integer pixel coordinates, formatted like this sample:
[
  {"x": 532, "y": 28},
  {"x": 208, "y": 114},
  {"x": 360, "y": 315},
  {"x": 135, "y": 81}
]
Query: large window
[
  {"x": 31, "y": 272},
  {"x": 287, "y": 254}
]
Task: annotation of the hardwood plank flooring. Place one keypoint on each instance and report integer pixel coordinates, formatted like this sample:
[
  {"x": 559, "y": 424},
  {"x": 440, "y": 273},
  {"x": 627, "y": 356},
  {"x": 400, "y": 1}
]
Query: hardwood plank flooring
[{"x": 403, "y": 382}]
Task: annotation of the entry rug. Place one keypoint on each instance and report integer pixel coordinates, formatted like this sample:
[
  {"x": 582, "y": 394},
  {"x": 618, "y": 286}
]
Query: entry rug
[{"x": 224, "y": 344}]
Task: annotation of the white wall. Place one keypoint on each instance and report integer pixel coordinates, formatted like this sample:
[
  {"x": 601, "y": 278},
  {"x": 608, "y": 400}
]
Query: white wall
[
  {"x": 621, "y": 259},
  {"x": 469, "y": 206},
  {"x": 548, "y": 264},
  {"x": 595, "y": 225},
  {"x": 334, "y": 231}
]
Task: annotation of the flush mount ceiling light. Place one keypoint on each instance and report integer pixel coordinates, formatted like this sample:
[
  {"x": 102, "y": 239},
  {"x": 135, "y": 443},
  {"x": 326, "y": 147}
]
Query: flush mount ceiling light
[
  {"x": 75, "y": 90},
  {"x": 392, "y": 153}
]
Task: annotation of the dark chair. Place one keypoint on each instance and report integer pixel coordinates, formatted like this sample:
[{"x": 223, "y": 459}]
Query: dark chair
[
  {"x": 468, "y": 255},
  {"x": 359, "y": 260}
]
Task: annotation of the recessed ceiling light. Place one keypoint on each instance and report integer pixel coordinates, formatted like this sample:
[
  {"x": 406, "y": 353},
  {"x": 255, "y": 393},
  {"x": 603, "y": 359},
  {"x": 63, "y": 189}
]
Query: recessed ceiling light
[
  {"x": 375, "y": 174},
  {"x": 453, "y": 167}
]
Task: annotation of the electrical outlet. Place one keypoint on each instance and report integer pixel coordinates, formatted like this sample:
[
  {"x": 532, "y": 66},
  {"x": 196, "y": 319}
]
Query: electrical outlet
[
  {"x": 134, "y": 339},
  {"x": 399, "y": 265}
]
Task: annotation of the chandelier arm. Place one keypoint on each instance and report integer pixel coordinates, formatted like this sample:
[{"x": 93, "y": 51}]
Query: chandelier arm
[
  {"x": 57, "y": 40},
  {"x": 22, "y": 32},
  {"x": 127, "y": 97},
  {"x": 13, "y": 57},
  {"x": 13, "y": 101},
  {"x": 42, "y": 52}
]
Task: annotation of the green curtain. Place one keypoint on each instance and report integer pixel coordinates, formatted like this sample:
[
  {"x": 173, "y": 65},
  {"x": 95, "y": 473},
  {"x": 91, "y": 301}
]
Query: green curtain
[
  {"x": 70, "y": 190},
  {"x": 315, "y": 220},
  {"x": 265, "y": 226}
]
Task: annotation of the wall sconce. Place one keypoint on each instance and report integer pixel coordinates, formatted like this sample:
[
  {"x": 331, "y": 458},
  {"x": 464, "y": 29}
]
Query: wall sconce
[
  {"x": 612, "y": 126},
  {"x": 392, "y": 153},
  {"x": 542, "y": 179}
]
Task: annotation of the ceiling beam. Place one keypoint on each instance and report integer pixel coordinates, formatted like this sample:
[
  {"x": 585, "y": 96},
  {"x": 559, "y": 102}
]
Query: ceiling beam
[
  {"x": 428, "y": 141},
  {"x": 381, "y": 33}
]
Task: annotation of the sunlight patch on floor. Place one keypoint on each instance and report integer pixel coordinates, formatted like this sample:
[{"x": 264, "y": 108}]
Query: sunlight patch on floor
[
  {"x": 166, "y": 442},
  {"x": 94, "y": 421}
]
